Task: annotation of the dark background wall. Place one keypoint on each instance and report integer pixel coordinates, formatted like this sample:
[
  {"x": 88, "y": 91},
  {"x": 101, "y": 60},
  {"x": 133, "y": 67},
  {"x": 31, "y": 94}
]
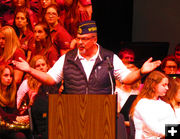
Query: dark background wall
[
  {"x": 157, "y": 20},
  {"x": 114, "y": 22},
  {"x": 131, "y": 21}
]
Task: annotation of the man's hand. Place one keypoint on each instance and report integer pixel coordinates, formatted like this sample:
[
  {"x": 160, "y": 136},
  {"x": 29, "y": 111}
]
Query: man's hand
[
  {"x": 21, "y": 65},
  {"x": 149, "y": 66}
]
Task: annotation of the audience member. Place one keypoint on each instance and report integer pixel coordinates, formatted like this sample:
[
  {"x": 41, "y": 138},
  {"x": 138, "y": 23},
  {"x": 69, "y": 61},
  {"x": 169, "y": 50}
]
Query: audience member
[
  {"x": 8, "y": 16},
  {"x": 24, "y": 31},
  {"x": 8, "y": 112},
  {"x": 60, "y": 37},
  {"x": 71, "y": 17},
  {"x": 76, "y": 11},
  {"x": 43, "y": 4},
  {"x": 127, "y": 56},
  {"x": 169, "y": 65},
  {"x": 10, "y": 50},
  {"x": 43, "y": 44},
  {"x": 149, "y": 112},
  {"x": 173, "y": 96},
  {"x": 85, "y": 10},
  {"x": 29, "y": 87}
]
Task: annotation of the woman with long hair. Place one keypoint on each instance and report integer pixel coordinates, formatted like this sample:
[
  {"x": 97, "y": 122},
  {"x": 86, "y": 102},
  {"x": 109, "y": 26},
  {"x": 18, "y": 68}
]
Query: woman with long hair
[
  {"x": 8, "y": 112},
  {"x": 24, "y": 31},
  {"x": 10, "y": 49},
  {"x": 8, "y": 87},
  {"x": 8, "y": 16},
  {"x": 43, "y": 44},
  {"x": 29, "y": 87},
  {"x": 149, "y": 112}
]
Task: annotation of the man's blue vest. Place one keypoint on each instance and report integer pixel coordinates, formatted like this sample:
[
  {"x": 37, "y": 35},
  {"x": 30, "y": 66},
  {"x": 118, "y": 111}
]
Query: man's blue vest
[{"x": 75, "y": 81}]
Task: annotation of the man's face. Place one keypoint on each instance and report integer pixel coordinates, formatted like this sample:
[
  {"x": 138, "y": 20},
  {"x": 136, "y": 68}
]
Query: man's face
[
  {"x": 170, "y": 67},
  {"x": 127, "y": 58},
  {"x": 85, "y": 42}
]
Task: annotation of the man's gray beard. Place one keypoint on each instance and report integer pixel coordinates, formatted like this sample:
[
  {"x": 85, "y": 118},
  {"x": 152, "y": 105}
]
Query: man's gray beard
[{"x": 82, "y": 52}]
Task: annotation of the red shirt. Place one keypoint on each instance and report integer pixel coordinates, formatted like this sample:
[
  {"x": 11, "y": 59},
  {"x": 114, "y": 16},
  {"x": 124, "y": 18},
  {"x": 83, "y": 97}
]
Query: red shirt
[
  {"x": 18, "y": 53},
  {"x": 61, "y": 38},
  {"x": 27, "y": 40},
  {"x": 51, "y": 54},
  {"x": 8, "y": 17}
]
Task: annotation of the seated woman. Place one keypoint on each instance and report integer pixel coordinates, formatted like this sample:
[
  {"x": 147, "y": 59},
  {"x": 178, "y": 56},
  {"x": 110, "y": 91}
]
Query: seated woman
[
  {"x": 35, "y": 94},
  {"x": 10, "y": 50},
  {"x": 149, "y": 112},
  {"x": 173, "y": 96},
  {"x": 8, "y": 111},
  {"x": 29, "y": 87}
]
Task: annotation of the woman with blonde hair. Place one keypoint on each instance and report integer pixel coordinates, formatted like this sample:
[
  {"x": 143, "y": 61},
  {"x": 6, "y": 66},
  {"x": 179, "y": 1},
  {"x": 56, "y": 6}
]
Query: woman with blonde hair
[
  {"x": 149, "y": 112},
  {"x": 29, "y": 87},
  {"x": 8, "y": 92},
  {"x": 10, "y": 50}
]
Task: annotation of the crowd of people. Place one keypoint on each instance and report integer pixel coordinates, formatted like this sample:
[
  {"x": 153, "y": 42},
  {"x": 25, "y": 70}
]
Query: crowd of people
[{"x": 50, "y": 46}]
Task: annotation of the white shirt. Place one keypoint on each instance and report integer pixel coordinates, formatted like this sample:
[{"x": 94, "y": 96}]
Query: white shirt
[
  {"x": 120, "y": 70},
  {"x": 22, "y": 91},
  {"x": 150, "y": 117}
]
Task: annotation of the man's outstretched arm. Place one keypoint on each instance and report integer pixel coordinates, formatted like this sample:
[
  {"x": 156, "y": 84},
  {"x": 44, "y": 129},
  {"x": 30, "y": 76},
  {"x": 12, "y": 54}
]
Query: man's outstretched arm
[
  {"x": 147, "y": 67},
  {"x": 39, "y": 75}
]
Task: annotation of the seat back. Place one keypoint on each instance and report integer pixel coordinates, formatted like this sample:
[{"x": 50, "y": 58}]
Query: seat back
[
  {"x": 121, "y": 127},
  {"x": 132, "y": 128}
]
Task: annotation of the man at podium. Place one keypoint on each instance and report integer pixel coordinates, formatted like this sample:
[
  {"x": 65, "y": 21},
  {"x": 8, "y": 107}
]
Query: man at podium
[{"x": 89, "y": 68}]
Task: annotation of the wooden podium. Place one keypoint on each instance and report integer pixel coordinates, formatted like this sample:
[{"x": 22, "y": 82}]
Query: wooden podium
[{"x": 82, "y": 116}]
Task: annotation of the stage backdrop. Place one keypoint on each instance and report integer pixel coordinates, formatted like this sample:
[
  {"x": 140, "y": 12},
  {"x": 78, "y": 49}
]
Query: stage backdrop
[{"x": 157, "y": 21}]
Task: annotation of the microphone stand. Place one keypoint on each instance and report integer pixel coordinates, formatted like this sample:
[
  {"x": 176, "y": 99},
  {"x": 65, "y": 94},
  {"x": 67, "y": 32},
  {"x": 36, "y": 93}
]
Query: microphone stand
[{"x": 110, "y": 67}]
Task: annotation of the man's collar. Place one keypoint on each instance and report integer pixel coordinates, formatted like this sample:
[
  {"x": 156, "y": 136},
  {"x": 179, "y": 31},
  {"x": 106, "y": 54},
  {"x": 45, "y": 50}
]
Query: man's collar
[{"x": 92, "y": 58}]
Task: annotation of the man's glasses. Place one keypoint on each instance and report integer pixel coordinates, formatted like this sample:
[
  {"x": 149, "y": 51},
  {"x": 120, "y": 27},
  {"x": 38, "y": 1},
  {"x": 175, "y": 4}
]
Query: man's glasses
[{"x": 85, "y": 38}]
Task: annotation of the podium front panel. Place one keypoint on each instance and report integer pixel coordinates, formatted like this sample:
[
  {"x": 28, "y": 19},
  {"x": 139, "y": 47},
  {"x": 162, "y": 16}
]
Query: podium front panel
[{"x": 82, "y": 116}]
